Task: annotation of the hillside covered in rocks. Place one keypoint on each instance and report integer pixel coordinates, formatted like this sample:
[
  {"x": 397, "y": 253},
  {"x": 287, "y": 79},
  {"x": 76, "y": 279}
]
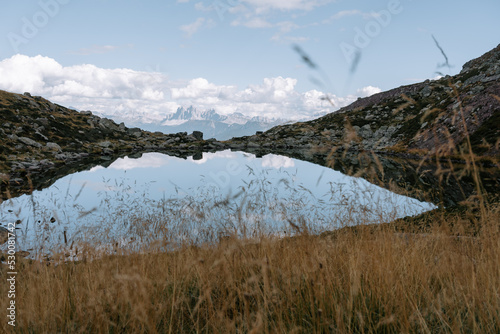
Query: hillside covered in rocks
[{"x": 432, "y": 117}]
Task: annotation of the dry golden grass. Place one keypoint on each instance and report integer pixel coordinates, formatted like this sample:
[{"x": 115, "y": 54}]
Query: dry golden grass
[{"x": 355, "y": 280}]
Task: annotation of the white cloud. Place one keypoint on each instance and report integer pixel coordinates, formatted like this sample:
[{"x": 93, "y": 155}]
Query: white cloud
[
  {"x": 284, "y": 5},
  {"x": 193, "y": 28},
  {"x": 87, "y": 86},
  {"x": 95, "y": 49},
  {"x": 347, "y": 13},
  {"x": 201, "y": 7},
  {"x": 277, "y": 161},
  {"x": 367, "y": 91},
  {"x": 149, "y": 160},
  {"x": 253, "y": 23},
  {"x": 200, "y": 88},
  {"x": 283, "y": 27},
  {"x": 258, "y": 14},
  {"x": 131, "y": 95}
]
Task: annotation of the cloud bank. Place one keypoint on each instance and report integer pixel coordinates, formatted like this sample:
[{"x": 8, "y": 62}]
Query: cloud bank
[{"x": 150, "y": 96}]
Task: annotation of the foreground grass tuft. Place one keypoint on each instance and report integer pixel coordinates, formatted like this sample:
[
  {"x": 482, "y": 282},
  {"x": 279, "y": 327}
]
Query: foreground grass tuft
[{"x": 355, "y": 280}]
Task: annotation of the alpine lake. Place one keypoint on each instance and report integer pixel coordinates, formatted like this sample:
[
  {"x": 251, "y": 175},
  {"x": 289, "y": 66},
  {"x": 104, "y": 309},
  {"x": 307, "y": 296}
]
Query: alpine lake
[{"x": 162, "y": 202}]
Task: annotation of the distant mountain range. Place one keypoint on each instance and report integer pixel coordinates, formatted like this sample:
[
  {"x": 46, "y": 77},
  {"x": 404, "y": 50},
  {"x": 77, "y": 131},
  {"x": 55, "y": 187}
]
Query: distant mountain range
[{"x": 212, "y": 124}]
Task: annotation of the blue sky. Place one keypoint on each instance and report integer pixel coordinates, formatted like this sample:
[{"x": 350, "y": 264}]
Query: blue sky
[{"x": 146, "y": 58}]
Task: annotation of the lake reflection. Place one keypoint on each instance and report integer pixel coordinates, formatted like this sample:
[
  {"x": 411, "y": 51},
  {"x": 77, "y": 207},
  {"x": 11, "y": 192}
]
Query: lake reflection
[{"x": 158, "y": 198}]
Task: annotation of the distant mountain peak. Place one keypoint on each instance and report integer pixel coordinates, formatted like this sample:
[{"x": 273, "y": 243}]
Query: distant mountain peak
[{"x": 191, "y": 113}]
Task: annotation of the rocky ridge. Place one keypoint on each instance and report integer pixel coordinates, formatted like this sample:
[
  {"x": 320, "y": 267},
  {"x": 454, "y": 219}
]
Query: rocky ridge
[{"x": 432, "y": 117}]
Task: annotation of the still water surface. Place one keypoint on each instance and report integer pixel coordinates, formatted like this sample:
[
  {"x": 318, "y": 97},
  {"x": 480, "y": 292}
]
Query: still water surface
[{"x": 161, "y": 198}]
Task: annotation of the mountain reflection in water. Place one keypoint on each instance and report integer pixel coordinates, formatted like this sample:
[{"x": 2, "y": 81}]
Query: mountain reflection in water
[{"x": 158, "y": 198}]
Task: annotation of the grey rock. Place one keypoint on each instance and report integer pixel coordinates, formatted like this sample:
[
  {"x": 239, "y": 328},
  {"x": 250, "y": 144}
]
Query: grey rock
[
  {"x": 474, "y": 79},
  {"x": 29, "y": 142},
  {"x": 218, "y": 144},
  {"x": 42, "y": 120},
  {"x": 237, "y": 146},
  {"x": 477, "y": 89},
  {"x": 107, "y": 151},
  {"x": 105, "y": 144},
  {"x": 41, "y": 136},
  {"x": 92, "y": 123},
  {"x": 65, "y": 156},
  {"x": 107, "y": 124},
  {"x": 46, "y": 163},
  {"x": 171, "y": 141},
  {"x": 198, "y": 135},
  {"x": 426, "y": 91},
  {"x": 53, "y": 147},
  {"x": 492, "y": 78},
  {"x": 365, "y": 131},
  {"x": 34, "y": 105},
  {"x": 134, "y": 132}
]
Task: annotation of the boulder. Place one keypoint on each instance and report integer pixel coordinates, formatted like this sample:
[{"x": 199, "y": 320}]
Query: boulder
[
  {"x": 107, "y": 151},
  {"x": 198, "y": 135},
  {"x": 134, "y": 132},
  {"x": 365, "y": 131},
  {"x": 53, "y": 147},
  {"x": 43, "y": 121},
  {"x": 426, "y": 91},
  {"x": 105, "y": 144},
  {"x": 29, "y": 142},
  {"x": 107, "y": 124}
]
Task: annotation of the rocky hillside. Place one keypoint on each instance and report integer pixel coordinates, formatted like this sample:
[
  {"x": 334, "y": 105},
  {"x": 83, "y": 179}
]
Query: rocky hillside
[
  {"x": 40, "y": 140},
  {"x": 438, "y": 116}
]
